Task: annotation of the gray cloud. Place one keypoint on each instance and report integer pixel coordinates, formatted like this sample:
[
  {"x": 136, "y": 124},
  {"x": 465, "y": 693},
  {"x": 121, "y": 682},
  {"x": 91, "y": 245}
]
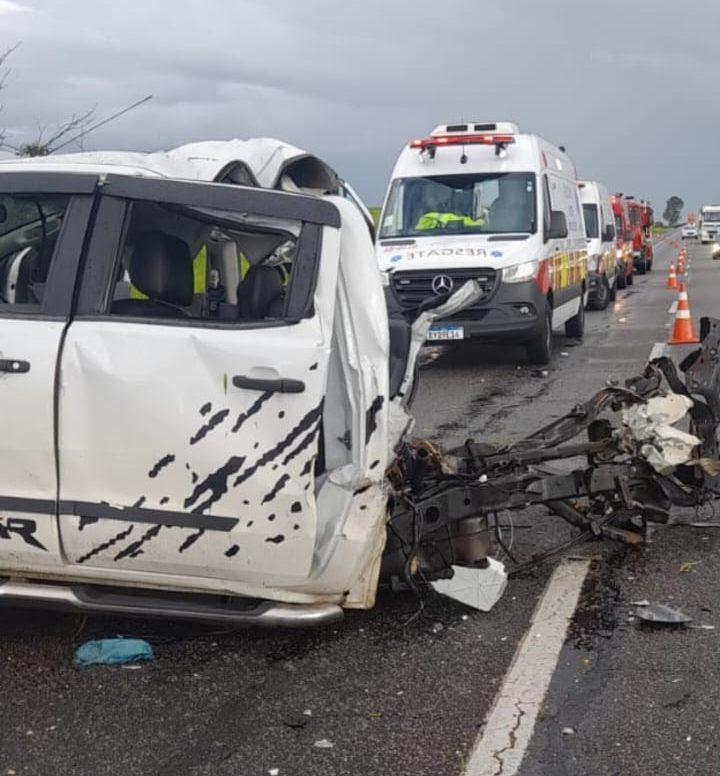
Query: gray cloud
[{"x": 622, "y": 84}]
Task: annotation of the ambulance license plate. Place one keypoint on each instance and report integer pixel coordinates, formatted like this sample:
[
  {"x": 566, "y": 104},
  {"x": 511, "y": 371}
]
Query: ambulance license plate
[{"x": 446, "y": 333}]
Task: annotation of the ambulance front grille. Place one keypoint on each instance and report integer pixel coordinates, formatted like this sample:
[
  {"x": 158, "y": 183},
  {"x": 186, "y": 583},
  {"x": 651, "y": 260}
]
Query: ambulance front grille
[{"x": 414, "y": 286}]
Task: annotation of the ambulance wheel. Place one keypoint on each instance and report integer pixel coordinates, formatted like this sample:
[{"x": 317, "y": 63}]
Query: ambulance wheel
[
  {"x": 575, "y": 327},
  {"x": 648, "y": 265},
  {"x": 602, "y": 295},
  {"x": 631, "y": 278},
  {"x": 642, "y": 267},
  {"x": 539, "y": 349},
  {"x": 613, "y": 291},
  {"x": 621, "y": 282}
]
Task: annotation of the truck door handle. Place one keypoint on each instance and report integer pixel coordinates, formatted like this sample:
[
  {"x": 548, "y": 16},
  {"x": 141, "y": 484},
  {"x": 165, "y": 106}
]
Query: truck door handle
[
  {"x": 278, "y": 385},
  {"x": 14, "y": 365}
]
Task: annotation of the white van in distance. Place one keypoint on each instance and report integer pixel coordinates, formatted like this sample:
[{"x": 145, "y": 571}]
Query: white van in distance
[
  {"x": 603, "y": 264},
  {"x": 709, "y": 223},
  {"x": 483, "y": 201}
]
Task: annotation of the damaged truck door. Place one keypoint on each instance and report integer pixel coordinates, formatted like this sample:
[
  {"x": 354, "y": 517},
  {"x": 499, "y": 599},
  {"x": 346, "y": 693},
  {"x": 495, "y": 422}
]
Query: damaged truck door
[
  {"x": 42, "y": 223},
  {"x": 192, "y": 384}
]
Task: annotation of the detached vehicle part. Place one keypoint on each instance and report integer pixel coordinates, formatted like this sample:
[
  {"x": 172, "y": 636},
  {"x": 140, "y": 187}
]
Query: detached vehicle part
[{"x": 206, "y": 401}]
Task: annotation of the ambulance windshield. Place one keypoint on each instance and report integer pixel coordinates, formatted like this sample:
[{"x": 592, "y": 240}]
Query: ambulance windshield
[
  {"x": 711, "y": 216},
  {"x": 494, "y": 203}
]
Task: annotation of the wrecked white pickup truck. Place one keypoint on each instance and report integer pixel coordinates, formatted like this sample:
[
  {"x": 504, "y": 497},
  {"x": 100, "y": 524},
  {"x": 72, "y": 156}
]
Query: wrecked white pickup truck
[{"x": 204, "y": 400}]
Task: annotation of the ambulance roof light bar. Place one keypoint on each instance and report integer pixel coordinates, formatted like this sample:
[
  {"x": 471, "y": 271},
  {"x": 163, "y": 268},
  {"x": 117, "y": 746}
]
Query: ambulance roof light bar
[{"x": 430, "y": 144}]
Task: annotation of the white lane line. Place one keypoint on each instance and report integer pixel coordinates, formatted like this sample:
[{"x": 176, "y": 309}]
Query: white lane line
[
  {"x": 673, "y": 308},
  {"x": 510, "y": 725},
  {"x": 659, "y": 349}
]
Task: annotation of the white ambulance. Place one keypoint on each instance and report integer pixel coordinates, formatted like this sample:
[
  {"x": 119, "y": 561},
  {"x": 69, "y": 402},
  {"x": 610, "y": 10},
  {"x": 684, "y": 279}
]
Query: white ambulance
[
  {"x": 603, "y": 264},
  {"x": 483, "y": 201}
]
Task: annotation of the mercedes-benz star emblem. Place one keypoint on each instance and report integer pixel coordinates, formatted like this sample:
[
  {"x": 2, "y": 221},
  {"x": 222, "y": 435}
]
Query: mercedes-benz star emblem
[{"x": 442, "y": 284}]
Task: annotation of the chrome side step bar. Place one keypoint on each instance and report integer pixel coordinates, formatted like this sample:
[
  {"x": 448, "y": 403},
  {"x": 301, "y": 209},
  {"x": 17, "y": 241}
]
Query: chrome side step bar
[{"x": 199, "y": 608}]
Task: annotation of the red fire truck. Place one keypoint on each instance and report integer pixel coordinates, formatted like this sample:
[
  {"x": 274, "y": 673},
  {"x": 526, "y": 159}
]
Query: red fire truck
[
  {"x": 640, "y": 220},
  {"x": 623, "y": 241}
]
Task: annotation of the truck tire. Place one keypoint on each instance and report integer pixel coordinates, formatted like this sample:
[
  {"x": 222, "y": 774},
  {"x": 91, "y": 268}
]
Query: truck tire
[
  {"x": 602, "y": 296},
  {"x": 539, "y": 348},
  {"x": 575, "y": 326},
  {"x": 613, "y": 290},
  {"x": 631, "y": 277},
  {"x": 621, "y": 281}
]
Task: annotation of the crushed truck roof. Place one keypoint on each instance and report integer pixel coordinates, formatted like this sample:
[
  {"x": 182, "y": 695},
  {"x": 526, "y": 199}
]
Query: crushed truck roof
[{"x": 263, "y": 162}]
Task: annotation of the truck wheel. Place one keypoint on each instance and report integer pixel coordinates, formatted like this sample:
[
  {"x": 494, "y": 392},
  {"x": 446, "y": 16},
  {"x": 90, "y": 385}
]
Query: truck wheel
[
  {"x": 648, "y": 265},
  {"x": 602, "y": 295},
  {"x": 575, "y": 327},
  {"x": 539, "y": 349},
  {"x": 621, "y": 281},
  {"x": 630, "y": 277},
  {"x": 613, "y": 290},
  {"x": 642, "y": 266}
]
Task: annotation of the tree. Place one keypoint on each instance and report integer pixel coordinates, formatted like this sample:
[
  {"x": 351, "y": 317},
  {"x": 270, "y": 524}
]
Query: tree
[
  {"x": 5, "y": 73},
  {"x": 673, "y": 208},
  {"x": 48, "y": 138}
]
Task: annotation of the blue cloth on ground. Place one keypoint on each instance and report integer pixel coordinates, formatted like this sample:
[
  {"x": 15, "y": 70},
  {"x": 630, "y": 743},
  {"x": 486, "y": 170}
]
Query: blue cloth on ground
[{"x": 113, "y": 652}]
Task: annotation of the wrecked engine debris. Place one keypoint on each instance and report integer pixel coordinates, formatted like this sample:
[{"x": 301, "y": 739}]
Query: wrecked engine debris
[{"x": 636, "y": 466}]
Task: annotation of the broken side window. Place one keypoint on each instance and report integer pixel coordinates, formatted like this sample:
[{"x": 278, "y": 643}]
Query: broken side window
[
  {"x": 181, "y": 262},
  {"x": 29, "y": 228}
]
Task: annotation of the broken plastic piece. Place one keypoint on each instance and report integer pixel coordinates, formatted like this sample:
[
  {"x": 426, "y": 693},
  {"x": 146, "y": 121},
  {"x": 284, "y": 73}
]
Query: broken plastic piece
[
  {"x": 323, "y": 743},
  {"x": 113, "y": 652},
  {"x": 660, "y": 614},
  {"x": 479, "y": 588},
  {"x": 665, "y": 446}
]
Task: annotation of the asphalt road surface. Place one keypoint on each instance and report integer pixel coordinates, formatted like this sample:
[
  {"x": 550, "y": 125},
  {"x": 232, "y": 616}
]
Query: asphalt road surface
[{"x": 400, "y": 690}]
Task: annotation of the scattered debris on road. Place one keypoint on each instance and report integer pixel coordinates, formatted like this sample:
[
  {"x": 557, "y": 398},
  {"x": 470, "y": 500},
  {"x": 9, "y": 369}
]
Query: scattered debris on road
[
  {"x": 661, "y": 614},
  {"x": 113, "y": 652},
  {"x": 480, "y": 588}
]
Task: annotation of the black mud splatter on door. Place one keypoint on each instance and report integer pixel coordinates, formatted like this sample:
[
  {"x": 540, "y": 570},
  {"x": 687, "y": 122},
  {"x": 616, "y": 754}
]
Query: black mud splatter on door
[
  {"x": 134, "y": 549},
  {"x": 106, "y": 545},
  {"x": 253, "y": 409},
  {"x": 279, "y": 485},
  {"x": 204, "y": 430},
  {"x": 216, "y": 484},
  {"x": 166, "y": 460},
  {"x": 306, "y": 423}
]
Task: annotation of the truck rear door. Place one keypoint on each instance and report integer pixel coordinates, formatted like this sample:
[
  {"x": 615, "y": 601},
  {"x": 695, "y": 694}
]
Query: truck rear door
[{"x": 190, "y": 416}]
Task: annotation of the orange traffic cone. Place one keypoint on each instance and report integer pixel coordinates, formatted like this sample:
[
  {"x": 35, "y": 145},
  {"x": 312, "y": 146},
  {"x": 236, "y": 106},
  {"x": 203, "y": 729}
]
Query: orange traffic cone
[
  {"x": 681, "y": 266},
  {"x": 683, "y": 333},
  {"x": 672, "y": 278}
]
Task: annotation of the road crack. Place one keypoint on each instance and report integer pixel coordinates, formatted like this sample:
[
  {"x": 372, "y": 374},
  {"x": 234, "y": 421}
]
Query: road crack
[{"x": 512, "y": 735}]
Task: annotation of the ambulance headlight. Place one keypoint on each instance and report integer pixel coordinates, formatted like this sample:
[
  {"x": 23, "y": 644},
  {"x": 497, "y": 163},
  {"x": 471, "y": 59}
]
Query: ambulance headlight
[{"x": 520, "y": 272}]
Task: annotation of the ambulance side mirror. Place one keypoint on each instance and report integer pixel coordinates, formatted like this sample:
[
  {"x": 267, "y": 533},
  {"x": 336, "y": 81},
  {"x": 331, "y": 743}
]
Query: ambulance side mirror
[{"x": 558, "y": 226}]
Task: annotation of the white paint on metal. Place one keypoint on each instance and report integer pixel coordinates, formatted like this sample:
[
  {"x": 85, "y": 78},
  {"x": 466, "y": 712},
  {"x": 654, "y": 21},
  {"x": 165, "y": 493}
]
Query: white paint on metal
[
  {"x": 659, "y": 349},
  {"x": 509, "y": 727}
]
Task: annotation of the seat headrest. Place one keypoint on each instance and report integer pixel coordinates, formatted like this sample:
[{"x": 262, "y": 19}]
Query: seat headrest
[
  {"x": 161, "y": 267},
  {"x": 262, "y": 286}
]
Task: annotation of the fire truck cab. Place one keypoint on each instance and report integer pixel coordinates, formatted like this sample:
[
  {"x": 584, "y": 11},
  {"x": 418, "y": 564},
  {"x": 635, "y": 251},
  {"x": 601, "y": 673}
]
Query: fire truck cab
[
  {"x": 623, "y": 240},
  {"x": 640, "y": 221}
]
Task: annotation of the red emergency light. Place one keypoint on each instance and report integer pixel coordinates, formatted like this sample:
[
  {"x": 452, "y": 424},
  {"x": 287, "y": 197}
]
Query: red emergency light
[{"x": 461, "y": 140}]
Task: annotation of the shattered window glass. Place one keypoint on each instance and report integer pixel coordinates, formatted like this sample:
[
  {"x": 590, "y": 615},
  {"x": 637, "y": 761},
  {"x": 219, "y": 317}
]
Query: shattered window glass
[{"x": 29, "y": 229}]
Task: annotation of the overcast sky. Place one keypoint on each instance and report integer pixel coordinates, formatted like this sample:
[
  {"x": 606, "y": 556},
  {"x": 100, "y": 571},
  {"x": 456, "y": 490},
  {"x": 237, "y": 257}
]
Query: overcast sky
[{"x": 626, "y": 85}]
